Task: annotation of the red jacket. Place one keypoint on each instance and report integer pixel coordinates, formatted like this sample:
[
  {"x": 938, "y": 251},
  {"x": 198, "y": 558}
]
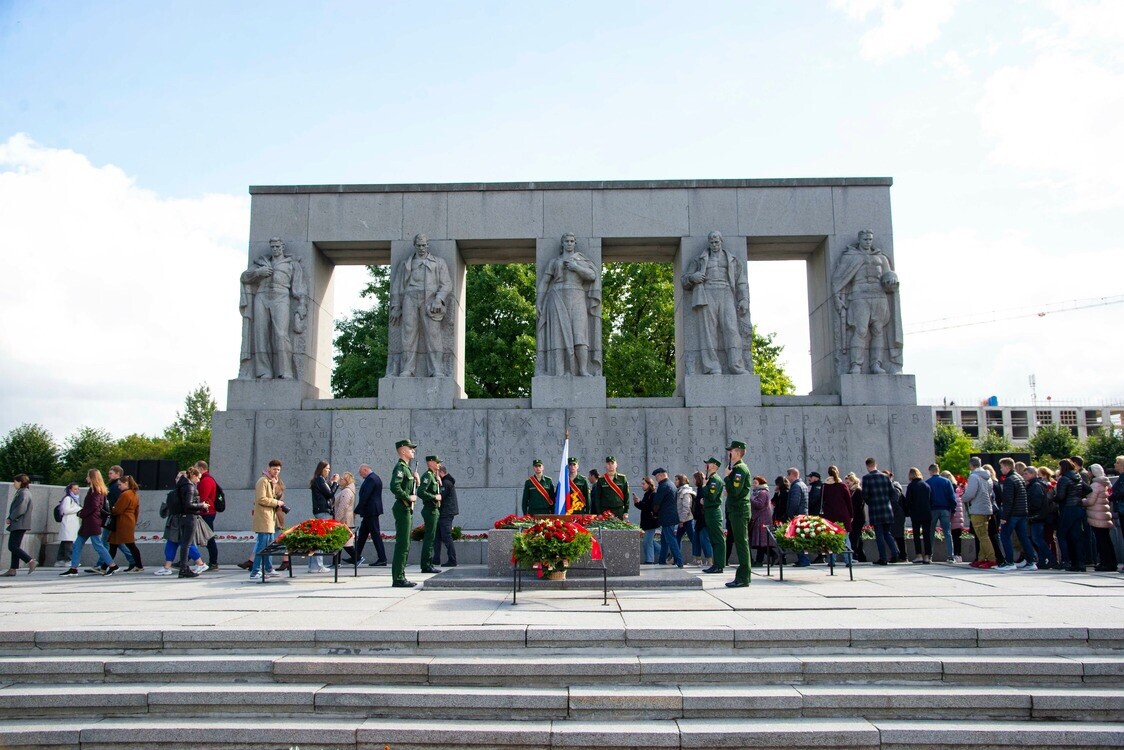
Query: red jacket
[{"x": 208, "y": 488}]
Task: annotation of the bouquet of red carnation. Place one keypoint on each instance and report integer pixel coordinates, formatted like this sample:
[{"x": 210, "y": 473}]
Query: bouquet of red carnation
[
  {"x": 549, "y": 546},
  {"x": 316, "y": 535},
  {"x": 811, "y": 534}
]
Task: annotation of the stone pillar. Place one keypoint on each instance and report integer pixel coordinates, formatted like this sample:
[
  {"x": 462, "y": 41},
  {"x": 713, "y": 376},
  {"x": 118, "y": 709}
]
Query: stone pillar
[
  {"x": 423, "y": 390},
  {"x": 569, "y": 391},
  {"x": 286, "y": 217},
  {"x": 696, "y": 387}
]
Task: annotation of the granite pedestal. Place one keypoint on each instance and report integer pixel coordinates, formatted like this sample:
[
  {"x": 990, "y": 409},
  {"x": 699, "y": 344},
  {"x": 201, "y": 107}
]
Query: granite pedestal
[
  {"x": 567, "y": 391},
  {"x": 722, "y": 390},
  {"x": 418, "y": 393}
]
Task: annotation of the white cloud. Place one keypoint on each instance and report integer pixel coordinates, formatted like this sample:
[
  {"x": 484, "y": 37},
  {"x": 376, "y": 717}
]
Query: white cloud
[
  {"x": 904, "y": 26},
  {"x": 118, "y": 301},
  {"x": 979, "y": 279},
  {"x": 1057, "y": 116}
]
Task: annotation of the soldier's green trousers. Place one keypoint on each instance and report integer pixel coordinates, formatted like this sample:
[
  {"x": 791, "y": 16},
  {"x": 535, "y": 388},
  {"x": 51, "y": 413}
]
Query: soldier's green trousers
[
  {"x": 739, "y": 537},
  {"x": 430, "y": 513},
  {"x": 715, "y": 525},
  {"x": 402, "y": 516}
]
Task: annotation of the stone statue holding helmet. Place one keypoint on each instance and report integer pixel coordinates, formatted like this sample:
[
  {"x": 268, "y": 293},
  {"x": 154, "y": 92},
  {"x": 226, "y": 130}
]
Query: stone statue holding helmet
[{"x": 864, "y": 289}]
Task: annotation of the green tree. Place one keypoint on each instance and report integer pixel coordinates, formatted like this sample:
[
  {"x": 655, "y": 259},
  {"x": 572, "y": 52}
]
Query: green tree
[
  {"x": 194, "y": 422},
  {"x": 767, "y": 365},
  {"x": 139, "y": 447},
  {"x": 638, "y": 329},
  {"x": 953, "y": 448},
  {"x": 1104, "y": 447},
  {"x": 499, "y": 337},
  {"x": 29, "y": 449},
  {"x": 361, "y": 343},
  {"x": 944, "y": 435},
  {"x": 1050, "y": 443},
  {"x": 995, "y": 442},
  {"x": 86, "y": 449}
]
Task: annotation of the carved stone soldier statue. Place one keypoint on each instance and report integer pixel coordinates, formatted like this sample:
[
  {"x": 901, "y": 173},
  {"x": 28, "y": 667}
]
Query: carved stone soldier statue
[
  {"x": 419, "y": 294},
  {"x": 274, "y": 306},
  {"x": 863, "y": 286},
  {"x": 719, "y": 296}
]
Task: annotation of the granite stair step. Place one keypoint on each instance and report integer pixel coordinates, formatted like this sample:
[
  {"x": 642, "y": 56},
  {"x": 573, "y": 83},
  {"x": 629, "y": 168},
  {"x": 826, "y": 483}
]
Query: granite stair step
[
  {"x": 609, "y": 703},
  {"x": 633, "y": 640},
  {"x": 311, "y": 733},
  {"x": 570, "y": 667}
]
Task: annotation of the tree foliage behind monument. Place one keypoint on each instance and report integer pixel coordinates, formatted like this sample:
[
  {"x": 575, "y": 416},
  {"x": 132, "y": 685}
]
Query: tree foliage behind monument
[
  {"x": 28, "y": 449},
  {"x": 638, "y": 310}
]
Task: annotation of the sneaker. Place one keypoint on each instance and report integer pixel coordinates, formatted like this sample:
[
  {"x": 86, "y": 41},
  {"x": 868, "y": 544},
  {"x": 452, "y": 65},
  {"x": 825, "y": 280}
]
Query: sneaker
[
  {"x": 256, "y": 575},
  {"x": 62, "y": 564},
  {"x": 112, "y": 569},
  {"x": 1022, "y": 564},
  {"x": 69, "y": 572},
  {"x": 198, "y": 569},
  {"x": 137, "y": 570},
  {"x": 272, "y": 574},
  {"x": 957, "y": 559},
  {"x": 163, "y": 572},
  {"x": 987, "y": 564},
  {"x": 1007, "y": 568},
  {"x": 187, "y": 573},
  {"x": 1030, "y": 567},
  {"x": 213, "y": 566}
]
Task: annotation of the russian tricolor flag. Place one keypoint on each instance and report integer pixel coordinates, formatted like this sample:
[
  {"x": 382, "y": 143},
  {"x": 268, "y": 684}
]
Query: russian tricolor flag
[{"x": 562, "y": 488}]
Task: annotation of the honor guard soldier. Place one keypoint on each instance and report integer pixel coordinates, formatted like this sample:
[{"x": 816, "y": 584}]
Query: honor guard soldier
[
  {"x": 538, "y": 493},
  {"x": 429, "y": 490},
  {"x": 403, "y": 485},
  {"x": 712, "y": 508},
  {"x": 611, "y": 491},
  {"x": 737, "y": 509},
  {"x": 578, "y": 490}
]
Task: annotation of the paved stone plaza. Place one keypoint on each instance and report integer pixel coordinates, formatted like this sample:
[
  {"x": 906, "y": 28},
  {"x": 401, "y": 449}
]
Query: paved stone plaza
[{"x": 903, "y": 657}]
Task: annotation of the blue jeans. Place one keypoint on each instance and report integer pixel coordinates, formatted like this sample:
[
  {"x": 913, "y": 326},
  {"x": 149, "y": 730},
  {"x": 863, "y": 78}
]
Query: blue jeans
[
  {"x": 99, "y": 547},
  {"x": 1038, "y": 536},
  {"x": 884, "y": 538},
  {"x": 667, "y": 539},
  {"x": 124, "y": 550},
  {"x": 263, "y": 540},
  {"x": 1016, "y": 525},
  {"x": 702, "y": 539},
  {"x": 650, "y": 547},
  {"x": 943, "y": 520},
  {"x": 171, "y": 548},
  {"x": 316, "y": 562}
]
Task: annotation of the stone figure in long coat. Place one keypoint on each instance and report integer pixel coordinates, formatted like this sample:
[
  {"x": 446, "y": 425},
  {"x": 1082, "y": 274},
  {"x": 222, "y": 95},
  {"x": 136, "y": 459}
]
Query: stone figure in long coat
[
  {"x": 569, "y": 314},
  {"x": 719, "y": 298},
  {"x": 274, "y": 307},
  {"x": 420, "y": 292},
  {"x": 864, "y": 289}
]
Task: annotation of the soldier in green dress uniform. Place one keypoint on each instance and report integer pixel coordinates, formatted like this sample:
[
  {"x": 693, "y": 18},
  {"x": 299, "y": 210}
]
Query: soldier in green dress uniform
[
  {"x": 403, "y": 485},
  {"x": 579, "y": 486},
  {"x": 737, "y": 509},
  {"x": 712, "y": 508},
  {"x": 429, "y": 490},
  {"x": 538, "y": 493},
  {"x": 611, "y": 491}
]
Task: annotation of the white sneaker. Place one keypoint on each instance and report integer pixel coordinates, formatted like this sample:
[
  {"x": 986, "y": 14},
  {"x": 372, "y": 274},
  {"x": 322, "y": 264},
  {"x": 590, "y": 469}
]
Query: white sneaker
[
  {"x": 198, "y": 569},
  {"x": 1006, "y": 568},
  {"x": 1030, "y": 567},
  {"x": 958, "y": 559},
  {"x": 1022, "y": 564},
  {"x": 163, "y": 572},
  {"x": 272, "y": 574},
  {"x": 256, "y": 575}
]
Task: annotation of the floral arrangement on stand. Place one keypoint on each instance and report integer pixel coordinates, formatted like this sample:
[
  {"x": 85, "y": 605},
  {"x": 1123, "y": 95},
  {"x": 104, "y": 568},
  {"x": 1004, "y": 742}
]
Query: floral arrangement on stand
[
  {"x": 810, "y": 534},
  {"x": 316, "y": 535},
  {"x": 548, "y": 546}
]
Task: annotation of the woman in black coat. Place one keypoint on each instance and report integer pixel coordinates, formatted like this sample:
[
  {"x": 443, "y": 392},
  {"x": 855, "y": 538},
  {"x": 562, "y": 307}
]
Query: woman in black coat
[
  {"x": 858, "y": 517},
  {"x": 919, "y": 506},
  {"x": 323, "y": 493},
  {"x": 649, "y": 523}
]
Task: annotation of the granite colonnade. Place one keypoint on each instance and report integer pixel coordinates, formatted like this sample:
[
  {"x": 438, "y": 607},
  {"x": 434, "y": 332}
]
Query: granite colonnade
[{"x": 489, "y": 444}]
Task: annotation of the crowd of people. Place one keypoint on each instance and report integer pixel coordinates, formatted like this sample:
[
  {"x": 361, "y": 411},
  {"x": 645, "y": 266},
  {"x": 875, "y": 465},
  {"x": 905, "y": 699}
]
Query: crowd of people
[{"x": 1021, "y": 517}]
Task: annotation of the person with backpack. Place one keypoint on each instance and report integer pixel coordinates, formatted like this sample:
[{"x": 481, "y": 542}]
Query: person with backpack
[
  {"x": 1039, "y": 510},
  {"x": 211, "y": 494},
  {"x": 66, "y": 513},
  {"x": 183, "y": 506}
]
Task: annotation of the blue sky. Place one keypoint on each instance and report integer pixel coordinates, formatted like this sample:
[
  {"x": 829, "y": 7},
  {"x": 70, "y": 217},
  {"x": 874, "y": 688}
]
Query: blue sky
[{"x": 129, "y": 132}]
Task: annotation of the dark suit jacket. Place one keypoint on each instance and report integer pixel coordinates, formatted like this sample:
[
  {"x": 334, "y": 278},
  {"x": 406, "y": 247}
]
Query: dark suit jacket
[
  {"x": 370, "y": 496},
  {"x": 449, "y": 497},
  {"x": 665, "y": 504}
]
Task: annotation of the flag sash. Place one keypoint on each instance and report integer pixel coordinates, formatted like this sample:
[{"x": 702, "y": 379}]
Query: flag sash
[
  {"x": 542, "y": 489},
  {"x": 613, "y": 484}
]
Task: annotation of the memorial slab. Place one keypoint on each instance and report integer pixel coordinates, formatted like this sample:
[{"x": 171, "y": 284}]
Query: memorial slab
[
  {"x": 774, "y": 437},
  {"x": 299, "y": 439},
  {"x": 232, "y": 447},
  {"x": 561, "y": 391},
  {"x": 597, "y": 433},
  {"x": 367, "y": 437},
  {"x": 459, "y": 437},
  {"x": 681, "y": 439},
  {"x": 518, "y": 437}
]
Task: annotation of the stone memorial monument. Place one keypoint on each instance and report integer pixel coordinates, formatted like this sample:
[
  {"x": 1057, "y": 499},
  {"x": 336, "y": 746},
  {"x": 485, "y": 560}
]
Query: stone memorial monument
[{"x": 860, "y": 404}]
